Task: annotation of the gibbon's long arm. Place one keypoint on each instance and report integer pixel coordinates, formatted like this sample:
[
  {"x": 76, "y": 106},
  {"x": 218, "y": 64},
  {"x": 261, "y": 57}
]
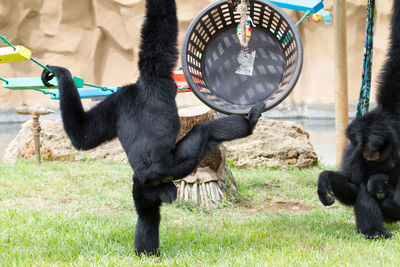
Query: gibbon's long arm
[
  {"x": 389, "y": 86},
  {"x": 158, "y": 53},
  {"x": 89, "y": 129}
]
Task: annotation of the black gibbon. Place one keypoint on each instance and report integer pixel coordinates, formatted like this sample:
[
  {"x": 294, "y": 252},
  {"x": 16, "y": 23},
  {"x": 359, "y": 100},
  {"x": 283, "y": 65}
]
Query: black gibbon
[
  {"x": 374, "y": 149},
  {"x": 379, "y": 187},
  {"x": 145, "y": 119}
]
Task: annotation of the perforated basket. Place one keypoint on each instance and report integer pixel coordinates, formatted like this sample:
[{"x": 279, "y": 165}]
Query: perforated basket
[{"x": 211, "y": 48}]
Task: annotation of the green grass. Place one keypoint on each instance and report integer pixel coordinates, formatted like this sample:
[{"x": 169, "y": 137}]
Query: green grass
[{"x": 80, "y": 214}]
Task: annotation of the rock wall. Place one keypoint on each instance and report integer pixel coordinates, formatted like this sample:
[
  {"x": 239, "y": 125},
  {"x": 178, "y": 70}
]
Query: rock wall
[{"x": 98, "y": 41}]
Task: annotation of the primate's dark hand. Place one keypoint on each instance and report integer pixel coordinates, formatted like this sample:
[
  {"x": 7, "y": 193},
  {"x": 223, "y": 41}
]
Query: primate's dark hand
[
  {"x": 56, "y": 71},
  {"x": 324, "y": 187},
  {"x": 46, "y": 77}
]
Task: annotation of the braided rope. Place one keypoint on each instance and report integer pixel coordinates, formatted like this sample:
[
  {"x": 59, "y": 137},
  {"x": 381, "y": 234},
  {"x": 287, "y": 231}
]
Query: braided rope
[
  {"x": 363, "y": 102},
  {"x": 242, "y": 10}
]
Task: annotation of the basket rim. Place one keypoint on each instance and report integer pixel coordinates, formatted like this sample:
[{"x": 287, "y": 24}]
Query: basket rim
[{"x": 275, "y": 102}]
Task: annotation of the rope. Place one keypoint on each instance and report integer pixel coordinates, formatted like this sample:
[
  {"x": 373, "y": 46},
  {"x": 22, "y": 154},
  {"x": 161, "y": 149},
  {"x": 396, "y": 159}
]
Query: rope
[
  {"x": 44, "y": 67},
  {"x": 4, "y": 39},
  {"x": 45, "y": 92},
  {"x": 308, "y": 13},
  {"x": 4, "y": 80},
  {"x": 103, "y": 88},
  {"x": 242, "y": 10},
  {"x": 363, "y": 102}
]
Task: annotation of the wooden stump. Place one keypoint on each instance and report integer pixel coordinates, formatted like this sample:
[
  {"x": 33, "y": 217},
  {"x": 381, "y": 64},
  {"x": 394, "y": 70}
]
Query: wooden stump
[{"x": 210, "y": 181}]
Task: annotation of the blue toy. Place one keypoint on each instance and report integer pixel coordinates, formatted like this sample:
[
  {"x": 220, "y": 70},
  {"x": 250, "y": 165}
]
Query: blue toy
[
  {"x": 304, "y": 5},
  {"x": 89, "y": 93}
]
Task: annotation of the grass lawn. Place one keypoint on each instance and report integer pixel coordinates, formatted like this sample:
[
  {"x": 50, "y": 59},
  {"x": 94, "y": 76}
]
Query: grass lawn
[{"x": 82, "y": 214}]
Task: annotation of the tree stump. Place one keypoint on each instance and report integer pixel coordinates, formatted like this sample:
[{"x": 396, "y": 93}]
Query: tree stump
[{"x": 210, "y": 181}]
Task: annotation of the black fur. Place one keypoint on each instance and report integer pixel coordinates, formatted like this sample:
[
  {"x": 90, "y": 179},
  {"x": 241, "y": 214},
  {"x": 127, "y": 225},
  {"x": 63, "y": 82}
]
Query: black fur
[
  {"x": 379, "y": 187},
  {"x": 144, "y": 117},
  {"x": 389, "y": 97},
  {"x": 374, "y": 149}
]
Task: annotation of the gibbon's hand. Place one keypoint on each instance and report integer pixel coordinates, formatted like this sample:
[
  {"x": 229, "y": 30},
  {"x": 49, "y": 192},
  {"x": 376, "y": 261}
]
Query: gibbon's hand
[
  {"x": 57, "y": 71},
  {"x": 324, "y": 187},
  {"x": 46, "y": 77}
]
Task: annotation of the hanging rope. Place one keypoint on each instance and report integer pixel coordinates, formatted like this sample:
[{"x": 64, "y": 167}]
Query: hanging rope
[
  {"x": 242, "y": 10},
  {"x": 363, "y": 102}
]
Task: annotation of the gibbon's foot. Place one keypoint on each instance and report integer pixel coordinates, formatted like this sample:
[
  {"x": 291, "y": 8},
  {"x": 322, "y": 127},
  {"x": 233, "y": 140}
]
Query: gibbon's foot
[
  {"x": 324, "y": 187},
  {"x": 145, "y": 253},
  {"x": 255, "y": 113},
  {"x": 377, "y": 234}
]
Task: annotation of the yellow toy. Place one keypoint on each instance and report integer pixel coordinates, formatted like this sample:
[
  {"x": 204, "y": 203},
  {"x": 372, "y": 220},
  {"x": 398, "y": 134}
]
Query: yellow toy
[
  {"x": 316, "y": 17},
  {"x": 9, "y": 54}
]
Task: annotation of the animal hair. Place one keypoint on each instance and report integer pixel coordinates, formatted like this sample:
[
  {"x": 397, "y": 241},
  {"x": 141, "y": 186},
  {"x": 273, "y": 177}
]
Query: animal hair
[
  {"x": 144, "y": 117},
  {"x": 379, "y": 187},
  {"x": 374, "y": 149}
]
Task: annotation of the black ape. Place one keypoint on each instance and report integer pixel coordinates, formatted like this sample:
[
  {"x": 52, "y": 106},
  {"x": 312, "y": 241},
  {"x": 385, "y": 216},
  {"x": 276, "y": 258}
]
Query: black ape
[
  {"x": 374, "y": 149},
  {"x": 145, "y": 119},
  {"x": 379, "y": 187}
]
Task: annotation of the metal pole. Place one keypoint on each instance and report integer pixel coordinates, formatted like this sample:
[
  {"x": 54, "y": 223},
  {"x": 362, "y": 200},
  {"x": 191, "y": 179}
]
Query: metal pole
[
  {"x": 341, "y": 78},
  {"x": 36, "y": 136}
]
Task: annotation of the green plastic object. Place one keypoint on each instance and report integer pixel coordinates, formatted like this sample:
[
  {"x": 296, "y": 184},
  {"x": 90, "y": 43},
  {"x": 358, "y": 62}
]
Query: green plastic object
[{"x": 35, "y": 83}]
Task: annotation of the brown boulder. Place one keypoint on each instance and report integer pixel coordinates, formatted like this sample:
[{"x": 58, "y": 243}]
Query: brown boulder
[
  {"x": 273, "y": 144},
  {"x": 55, "y": 145}
]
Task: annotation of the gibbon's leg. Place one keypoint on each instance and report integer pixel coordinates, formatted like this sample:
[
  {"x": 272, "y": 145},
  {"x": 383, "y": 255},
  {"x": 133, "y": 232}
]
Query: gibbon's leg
[
  {"x": 147, "y": 226},
  {"x": 390, "y": 209},
  {"x": 369, "y": 217},
  {"x": 192, "y": 148},
  {"x": 338, "y": 186},
  {"x": 148, "y": 200},
  {"x": 396, "y": 196},
  {"x": 85, "y": 129}
]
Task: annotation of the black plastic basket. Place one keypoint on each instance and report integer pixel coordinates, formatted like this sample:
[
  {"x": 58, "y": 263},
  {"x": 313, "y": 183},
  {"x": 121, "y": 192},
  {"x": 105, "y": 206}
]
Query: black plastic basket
[{"x": 209, "y": 57}]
